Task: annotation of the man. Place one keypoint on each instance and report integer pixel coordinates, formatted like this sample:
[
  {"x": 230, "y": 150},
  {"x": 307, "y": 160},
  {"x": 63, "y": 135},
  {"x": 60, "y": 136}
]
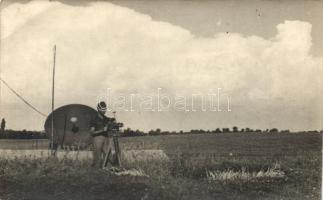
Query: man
[{"x": 100, "y": 127}]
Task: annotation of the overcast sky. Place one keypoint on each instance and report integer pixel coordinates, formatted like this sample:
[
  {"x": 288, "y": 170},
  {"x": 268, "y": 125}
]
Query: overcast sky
[{"x": 266, "y": 56}]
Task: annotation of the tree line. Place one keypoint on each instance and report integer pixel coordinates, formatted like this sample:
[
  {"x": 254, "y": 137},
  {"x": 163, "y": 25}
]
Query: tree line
[
  {"x": 128, "y": 132},
  {"x": 22, "y": 134}
]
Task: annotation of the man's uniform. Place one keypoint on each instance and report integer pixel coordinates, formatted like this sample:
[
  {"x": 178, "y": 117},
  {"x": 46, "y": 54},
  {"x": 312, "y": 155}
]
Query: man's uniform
[{"x": 101, "y": 142}]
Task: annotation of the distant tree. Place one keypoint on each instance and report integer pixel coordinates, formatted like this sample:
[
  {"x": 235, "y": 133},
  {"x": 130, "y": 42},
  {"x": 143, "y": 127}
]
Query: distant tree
[
  {"x": 216, "y": 131},
  {"x": 242, "y": 130},
  {"x": 138, "y": 133},
  {"x": 247, "y": 129},
  {"x": 313, "y": 131},
  {"x": 151, "y": 132},
  {"x": 129, "y": 133},
  {"x": 285, "y": 131},
  {"x": 273, "y": 130},
  {"x": 201, "y": 131},
  {"x": 166, "y": 133},
  {"x": 196, "y": 131},
  {"x": 3, "y": 125},
  {"x": 225, "y": 130},
  {"x": 154, "y": 132},
  {"x": 235, "y": 129},
  {"x": 258, "y": 130}
]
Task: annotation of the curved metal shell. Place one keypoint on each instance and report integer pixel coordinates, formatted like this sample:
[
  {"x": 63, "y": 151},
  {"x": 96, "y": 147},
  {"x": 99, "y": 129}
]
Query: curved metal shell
[{"x": 71, "y": 124}]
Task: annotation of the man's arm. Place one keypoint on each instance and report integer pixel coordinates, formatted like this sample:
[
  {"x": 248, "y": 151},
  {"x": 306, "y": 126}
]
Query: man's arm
[{"x": 93, "y": 131}]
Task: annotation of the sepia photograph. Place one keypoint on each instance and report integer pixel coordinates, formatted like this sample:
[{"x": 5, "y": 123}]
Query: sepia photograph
[{"x": 161, "y": 99}]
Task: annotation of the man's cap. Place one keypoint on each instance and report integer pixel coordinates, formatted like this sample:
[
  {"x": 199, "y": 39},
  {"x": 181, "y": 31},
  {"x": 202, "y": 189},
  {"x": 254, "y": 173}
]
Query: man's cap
[{"x": 102, "y": 106}]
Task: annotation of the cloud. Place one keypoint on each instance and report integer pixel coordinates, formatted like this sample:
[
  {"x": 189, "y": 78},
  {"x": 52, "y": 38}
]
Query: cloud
[{"x": 103, "y": 45}]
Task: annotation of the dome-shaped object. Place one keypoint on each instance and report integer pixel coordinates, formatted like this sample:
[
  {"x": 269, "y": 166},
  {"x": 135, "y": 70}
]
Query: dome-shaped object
[{"x": 71, "y": 125}]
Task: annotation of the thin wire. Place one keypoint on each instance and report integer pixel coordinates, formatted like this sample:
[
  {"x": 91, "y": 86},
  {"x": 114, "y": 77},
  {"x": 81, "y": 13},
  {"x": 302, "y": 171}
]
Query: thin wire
[{"x": 21, "y": 98}]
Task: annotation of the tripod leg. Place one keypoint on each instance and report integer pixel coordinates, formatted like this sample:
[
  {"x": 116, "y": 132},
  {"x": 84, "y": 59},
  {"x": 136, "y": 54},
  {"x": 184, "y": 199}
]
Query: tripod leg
[
  {"x": 107, "y": 158},
  {"x": 117, "y": 150}
]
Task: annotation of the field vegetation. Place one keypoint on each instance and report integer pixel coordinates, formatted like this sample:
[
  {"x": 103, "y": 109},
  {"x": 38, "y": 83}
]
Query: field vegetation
[{"x": 200, "y": 166}]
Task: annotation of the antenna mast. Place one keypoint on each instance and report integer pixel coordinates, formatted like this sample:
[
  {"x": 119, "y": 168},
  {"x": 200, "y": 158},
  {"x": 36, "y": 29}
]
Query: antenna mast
[{"x": 53, "y": 95}]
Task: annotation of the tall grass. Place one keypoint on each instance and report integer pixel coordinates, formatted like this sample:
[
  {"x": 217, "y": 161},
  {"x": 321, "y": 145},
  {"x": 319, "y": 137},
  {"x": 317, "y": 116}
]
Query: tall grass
[
  {"x": 127, "y": 155},
  {"x": 243, "y": 174}
]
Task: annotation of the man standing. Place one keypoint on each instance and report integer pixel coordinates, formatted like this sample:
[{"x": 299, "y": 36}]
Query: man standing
[{"x": 100, "y": 128}]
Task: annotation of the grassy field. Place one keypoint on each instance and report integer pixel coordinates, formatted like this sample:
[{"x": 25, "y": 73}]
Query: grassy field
[{"x": 219, "y": 166}]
